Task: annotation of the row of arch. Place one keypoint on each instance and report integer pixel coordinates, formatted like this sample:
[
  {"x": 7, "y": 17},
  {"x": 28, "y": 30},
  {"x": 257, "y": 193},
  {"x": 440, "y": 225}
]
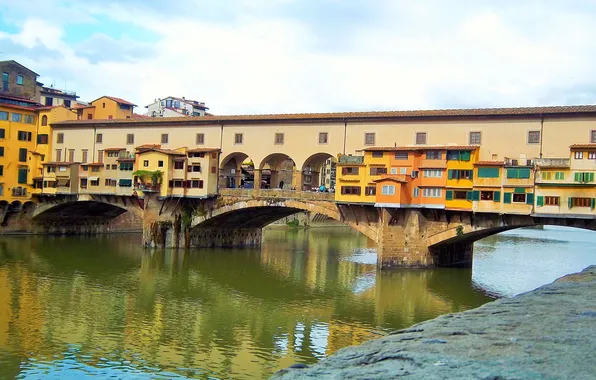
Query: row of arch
[{"x": 277, "y": 170}]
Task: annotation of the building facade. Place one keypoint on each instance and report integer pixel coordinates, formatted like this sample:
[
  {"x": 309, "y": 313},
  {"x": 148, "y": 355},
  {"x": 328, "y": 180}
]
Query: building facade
[
  {"x": 175, "y": 107},
  {"x": 18, "y": 81},
  {"x": 50, "y": 96}
]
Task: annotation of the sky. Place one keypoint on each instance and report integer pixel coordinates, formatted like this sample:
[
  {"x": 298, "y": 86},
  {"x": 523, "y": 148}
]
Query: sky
[{"x": 293, "y": 56}]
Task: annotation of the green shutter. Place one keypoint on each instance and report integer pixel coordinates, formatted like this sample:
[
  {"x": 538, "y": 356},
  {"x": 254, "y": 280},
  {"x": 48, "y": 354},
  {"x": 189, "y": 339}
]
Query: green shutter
[
  {"x": 530, "y": 198},
  {"x": 469, "y": 195},
  {"x": 475, "y": 195},
  {"x": 593, "y": 201},
  {"x": 590, "y": 177},
  {"x": 512, "y": 173},
  {"x": 449, "y": 195},
  {"x": 471, "y": 175},
  {"x": 524, "y": 173},
  {"x": 464, "y": 155},
  {"x": 577, "y": 177},
  {"x": 570, "y": 203},
  {"x": 497, "y": 196},
  {"x": 488, "y": 172},
  {"x": 22, "y": 176},
  {"x": 507, "y": 198},
  {"x": 540, "y": 201},
  {"x": 519, "y": 190},
  {"x": 450, "y": 174}
]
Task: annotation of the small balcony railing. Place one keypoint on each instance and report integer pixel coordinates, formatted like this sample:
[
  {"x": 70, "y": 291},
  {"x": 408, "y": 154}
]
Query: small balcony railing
[
  {"x": 147, "y": 187},
  {"x": 553, "y": 162}
]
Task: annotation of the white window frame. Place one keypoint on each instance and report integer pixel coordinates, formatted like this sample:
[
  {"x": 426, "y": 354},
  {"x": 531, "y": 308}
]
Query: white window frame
[{"x": 388, "y": 190}]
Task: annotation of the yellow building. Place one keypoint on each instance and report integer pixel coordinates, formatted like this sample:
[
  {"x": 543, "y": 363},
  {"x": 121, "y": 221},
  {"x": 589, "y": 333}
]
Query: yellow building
[
  {"x": 566, "y": 186},
  {"x": 488, "y": 186},
  {"x": 354, "y": 183},
  {"x": 109, "y": 107},
  {"x": 460, "y": 176}
]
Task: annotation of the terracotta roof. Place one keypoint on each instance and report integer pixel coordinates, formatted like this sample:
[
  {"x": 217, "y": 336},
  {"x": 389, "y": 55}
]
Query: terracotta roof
[
  {"x": 489, "y": 163},
  {"x": 583, "y": 146},
  {"x": 474, "y": 113},
  {"x": 61, "y": 163},
  {"x": 81, "y": 106},
  {"x": 43, "y": 108},
  {"x": 393, "y": 179},
  {"x": 93, "y": 164},
  {"x": 139, "y": 116},
  {"x": 145, "y": 146},
  {"x": 201, "y": 150},
  {"x": 159, "y": 150},
  {"x": 117, "y": 100},
  {"x": 113, "y": 149},
  {"x": 420, "y": 148}
]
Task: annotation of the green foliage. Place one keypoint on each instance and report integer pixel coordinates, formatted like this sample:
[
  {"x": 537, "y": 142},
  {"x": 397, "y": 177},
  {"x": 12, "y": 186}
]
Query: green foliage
[
  {"x": 294, "y": 223},
  {"x": 146, "y": 175},
  {"x": 459, "y": 230}
]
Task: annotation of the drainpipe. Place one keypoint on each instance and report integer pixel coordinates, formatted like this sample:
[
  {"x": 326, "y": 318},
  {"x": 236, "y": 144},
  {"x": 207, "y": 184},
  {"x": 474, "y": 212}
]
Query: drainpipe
[
  {"x": 345, "y": 134},
  {"x": 541, "y": 133},
  {"x": 94, "y": 141},
  {"x": 219, "y": 155}
]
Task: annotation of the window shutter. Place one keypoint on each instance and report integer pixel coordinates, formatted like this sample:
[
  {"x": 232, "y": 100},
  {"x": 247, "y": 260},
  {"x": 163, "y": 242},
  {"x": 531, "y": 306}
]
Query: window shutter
[
  {"x": 540, "y": 201},
  {"x": 22, "y": 176},
  {"x": 506, "y": 197},
  {"x": 497, "y": 196},
  {"x": 530, "y": 198},
  {"x": 524, "y": 173},
  {"x": 344, "y": 171},
  {"x": 577, "y": 177},
  {"x": 570, "y": 203},
  {"x": 450, "y": 174},
  {"x": 465, "y": 155},
  {"x": 471, "y": 175},
  {"x": 593, "y": 203},
  {"x": 343, "y": 190},
  {"x": 358, "y": 190},
  {"x": 200, "y": 184},
  {"x": 476, "y": 195},
  {"x": 449, "y": 195},
  {"x": 590, "y": 177},
  {"x": 469, "y": 195},
  {"x": 512, "y": 173}
]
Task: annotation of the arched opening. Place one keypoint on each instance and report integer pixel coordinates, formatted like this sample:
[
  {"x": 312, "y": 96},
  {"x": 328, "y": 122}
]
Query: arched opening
[
  {"x": 236, "y": 171},
  {"x": 319, "y": 172},
  {"x": 29, "y": 207},
  {"x": 79, "y": 211},
  {"x": 44, "y": 120},
  {"x": 277, "y": 172}
]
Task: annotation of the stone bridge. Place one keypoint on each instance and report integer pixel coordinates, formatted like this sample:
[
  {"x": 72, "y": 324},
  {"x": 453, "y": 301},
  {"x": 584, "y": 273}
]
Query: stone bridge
[{"x": 236, "y": 217}]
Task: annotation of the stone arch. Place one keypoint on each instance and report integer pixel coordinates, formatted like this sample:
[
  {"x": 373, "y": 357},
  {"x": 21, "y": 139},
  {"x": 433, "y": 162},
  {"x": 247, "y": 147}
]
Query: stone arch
[
  {"x": 256, "y": 214},
  {"x": 314, "y": 168},
  {"x": 74, "y": 212},
  {"x": 277, "y": 171},
  {"x": 29, "y": 207},
  {"x": 232, "y": 172}
]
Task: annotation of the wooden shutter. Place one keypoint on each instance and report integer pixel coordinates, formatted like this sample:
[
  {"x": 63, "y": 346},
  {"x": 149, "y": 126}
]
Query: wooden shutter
[
  {"x": 497, "y": 196},
  {"x": 475, "y": 195},
  {"x": 540, "y": 201},
  {"x": 469, "y": 195},
  {"x": 512, "y": 173},
  {"x": 449, "y": 195},
  {"x": 570, "y": 203},
  {"x": 506, "y": 197},
  {"x": 530, "y": 198},
  {"x": 524, "y": 173},
  {"x": 577, "y": 177}
]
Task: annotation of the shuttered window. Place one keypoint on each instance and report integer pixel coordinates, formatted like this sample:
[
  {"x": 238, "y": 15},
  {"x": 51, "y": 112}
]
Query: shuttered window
[
  {"x": 22, "y": 179},
  {"x": 488, "y": 172}
]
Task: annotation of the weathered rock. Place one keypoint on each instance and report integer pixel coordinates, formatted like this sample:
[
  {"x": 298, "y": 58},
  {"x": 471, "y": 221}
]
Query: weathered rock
[{"x": 548, "y": 333}]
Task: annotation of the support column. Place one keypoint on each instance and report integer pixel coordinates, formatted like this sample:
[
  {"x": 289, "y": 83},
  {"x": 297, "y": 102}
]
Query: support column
[
  {"x": 297, "y": 180},
  {"x": 238, "y": 176},
  {"x": 225, "y": 237},
  {"x": 274, "y": 181},
  {"x": 257, "y": 179}
]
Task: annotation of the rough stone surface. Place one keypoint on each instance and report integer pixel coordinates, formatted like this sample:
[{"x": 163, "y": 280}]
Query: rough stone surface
[{"x": 548, "y": 333}]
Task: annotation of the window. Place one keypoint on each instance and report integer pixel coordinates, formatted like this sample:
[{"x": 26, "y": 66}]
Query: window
[
  {"x": 108, "y": 167},
  {"x": 1, "y": 151},
  {"x": 578, "y": 155},
  {"x": 96, "y": 168},
  {"x": 403, "y": 170},
  {"x": 213, "y": 169},
  {"x": 584, "y": 177},
  {"x": 5, "y": 81},
  {"x": 29, "y": 119},
  {"x": 20, "y": 79},
  {"x": 22, "y": 177},
  {"x": 17, "y": 117},
  {"x": 487, "y": 195},
  {"x": 388, "y": 190},
  {"x": 378, "y": 171},
  {"x": 66, "y": 103},
  {"x": 432, "y": 192},
  {"x": 421, "y": 138},
  {"x": 1, "y": 170},
  {"x": 160, "y": 164},
  {"x": 85, "y": 155},
  {"x": 393, "y": 170},
  {"x": 533, "y": 137},
  {"x": 432, "y": 173},
  {"x": 112, "y": 182},
  {"x": 60, "y": 138},
  {"x": 401, "y": 156},
  {"x": 49, "y": 101},
  {"x": 114, "y": 166},
  {"x": 164, "y": 138},
  {"x": 238, "y": 137},
  {"x": 71, "y": 153},
  {"x": 559, "y": 175},
  {"x": 145, "y": 163},
  {"x": 178, "y": 165},
  {"x": 488, "y": 172},
  {"x": 3, "y": 115},
  {"x": 323, "y": 138},
  {"x": 196, "y": 184},
  {"x": 130, "y": 138},
  {"x": 459, "y": 174},
  {"x": 591, "y": 155},
  {"x": 200, "y": 140},
  {"x": 125, "y": 182},
  {"x": 83, "y": 183},
  {"x": 94, "y": 182},
  {"x": 349, "y": 171},
  {"x": 126, "y": 166},
  {"x": 24, "y": 136},
  {"x": 89, "y": 116},
  {"x": 593, "y": 136},
  {"x": 433, "y": 155},
  {"x": 350, "y": 190},
  {"x": 51, "y": 169},
  {"x": 103, "y": 105},
  {"x": 279, "y": 138},
  {"x": 370, "y": 190},
  {"x": 459, "y": 155},
  {"x": 377, "y": 154},
  {"x": 548, "y": 201},
  {"x": 23, "y": 155},
  {"x": 100, "y": 156},
  {"x": 581, "y": 202},
  {"x": 416, "y": 192},
  {"x": 99, "y": 138},
  {"x": 193, "y": 168},
  {"x": 369, "y": 139},
  {"x": 58, "y": 155},
  {"x": 547, "y": 175},
  {"x": 475, "y": 138},
  {"x": 460, "y": 195},
  {"x": 44, "y": 120},
  {"x": 519, "y": 198},
  {"x": 42, "y": 139}
]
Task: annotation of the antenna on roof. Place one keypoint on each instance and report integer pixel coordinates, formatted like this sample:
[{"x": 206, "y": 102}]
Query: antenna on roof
[{"x": 395, "y": 144}]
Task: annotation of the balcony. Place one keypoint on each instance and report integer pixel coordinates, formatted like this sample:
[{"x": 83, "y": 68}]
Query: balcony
[
  {"x": 147, "y": 188},
  {"x": 355, "y": 160},
  {"x": 519, "y": 162},
  {"x": 553, "y": 162},
  {"x": 126, "y": 156}
]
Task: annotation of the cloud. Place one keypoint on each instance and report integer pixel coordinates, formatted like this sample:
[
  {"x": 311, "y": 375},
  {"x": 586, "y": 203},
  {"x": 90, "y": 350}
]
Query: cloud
[{"x": 306, "y": 56}]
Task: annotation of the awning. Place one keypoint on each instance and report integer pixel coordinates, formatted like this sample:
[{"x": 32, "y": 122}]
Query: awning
[
  {"x": 93, "y": 178},
  {"x": 125, "y": 182},
  {"x": 62, "y": 182}
]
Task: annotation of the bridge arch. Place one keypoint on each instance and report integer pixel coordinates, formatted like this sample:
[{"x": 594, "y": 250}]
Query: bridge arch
[
  {"x": 258, "y": 213},
  {"x": 313, "y": 170},
  {"x": 77, "y": 211},
  {"x": 277, "y": 171},
  {"x": 232, "y": 174}
]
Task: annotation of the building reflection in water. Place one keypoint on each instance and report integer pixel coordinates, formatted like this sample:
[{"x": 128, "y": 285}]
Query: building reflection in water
[{"x": 217, "y": 312}]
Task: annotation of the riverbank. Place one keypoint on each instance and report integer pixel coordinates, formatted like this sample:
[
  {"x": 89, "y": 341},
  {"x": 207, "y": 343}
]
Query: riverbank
[{"x": 547, "y": 333}]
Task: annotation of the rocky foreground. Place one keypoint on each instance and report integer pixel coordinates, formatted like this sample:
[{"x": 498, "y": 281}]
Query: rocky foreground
[{"x": 548, "y": 333}]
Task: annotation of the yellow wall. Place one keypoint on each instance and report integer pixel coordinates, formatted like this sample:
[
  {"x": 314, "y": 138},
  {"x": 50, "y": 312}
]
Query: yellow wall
[
  {"x": 105, "y": 107},
  {"x": 359, "y": 180}
]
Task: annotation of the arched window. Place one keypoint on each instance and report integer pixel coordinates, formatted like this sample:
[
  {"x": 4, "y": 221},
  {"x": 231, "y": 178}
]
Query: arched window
[{"x": 44, "y": 120}]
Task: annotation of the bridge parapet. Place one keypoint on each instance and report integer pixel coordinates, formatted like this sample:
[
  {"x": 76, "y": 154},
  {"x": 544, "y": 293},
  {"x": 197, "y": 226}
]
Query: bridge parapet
[{"x": 277, "y": 193}]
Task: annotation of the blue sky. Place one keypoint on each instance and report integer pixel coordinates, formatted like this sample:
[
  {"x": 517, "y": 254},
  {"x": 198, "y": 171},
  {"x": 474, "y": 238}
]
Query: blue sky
[{"x": 269, "y": 56}]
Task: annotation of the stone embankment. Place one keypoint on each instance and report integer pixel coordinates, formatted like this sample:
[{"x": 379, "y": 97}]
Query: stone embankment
[{"x": 548, "y": 333}]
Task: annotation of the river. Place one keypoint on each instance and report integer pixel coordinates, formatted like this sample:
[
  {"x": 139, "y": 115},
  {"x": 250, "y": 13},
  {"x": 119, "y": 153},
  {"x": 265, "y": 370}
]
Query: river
[{"x": 72, "y": 307}]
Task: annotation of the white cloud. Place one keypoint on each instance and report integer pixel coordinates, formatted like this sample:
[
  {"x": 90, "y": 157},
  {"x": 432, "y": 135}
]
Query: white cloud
[{"x": 417, "y": 55}]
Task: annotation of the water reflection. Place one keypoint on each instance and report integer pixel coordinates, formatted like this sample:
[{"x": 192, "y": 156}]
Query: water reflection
[{"x": 104, "y": 307}]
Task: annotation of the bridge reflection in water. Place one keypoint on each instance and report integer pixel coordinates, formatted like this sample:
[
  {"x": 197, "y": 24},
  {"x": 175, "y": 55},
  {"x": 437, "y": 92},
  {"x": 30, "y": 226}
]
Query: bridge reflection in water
[{"x": 235, "y": 312}]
